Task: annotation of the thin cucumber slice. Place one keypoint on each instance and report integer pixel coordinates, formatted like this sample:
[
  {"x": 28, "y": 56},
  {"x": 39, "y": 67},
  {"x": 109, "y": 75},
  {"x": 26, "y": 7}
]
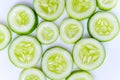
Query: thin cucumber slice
[
  {"x": 49, "y": 9},
  {"x": 32, "y": 74},
  {"x": 71, "y": 30},
  {"x": 47, "y": 32},
  {"x": 22, "y": 19},
  {"x": 5, "y": 36},
  {"x": 104, "y": 26},
  {"x": 106, "y": 4},
  {"x": 80, "y": 9},
  {"x": 57, "y": 63},
  {"x": 80, "y": 75},
  {"x": 88, "y": 54},
  {"x": 25, "y": 52}
]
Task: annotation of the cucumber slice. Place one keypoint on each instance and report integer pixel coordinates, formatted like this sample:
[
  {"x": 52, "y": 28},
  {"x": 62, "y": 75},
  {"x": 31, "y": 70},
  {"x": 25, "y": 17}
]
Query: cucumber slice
[
  {"x": 57, "y": 63},
  {"x": 80, "y": 75},
  {"x": 25, "y": 52},
  {"x": 47, "y": 32},
  {"x": 104, "y": 26},
  {"x": 22, "y": 19},
  {"x": 32, "y": 74},
  {"x": 5, "y": 36},
  {"x": 80, "y": 9},
  {"x": 71, "y": 31},
  {"x": 88, "y": 54},
  {"x": 106, "y": 4},
  {"x": 49, "y": 9}
]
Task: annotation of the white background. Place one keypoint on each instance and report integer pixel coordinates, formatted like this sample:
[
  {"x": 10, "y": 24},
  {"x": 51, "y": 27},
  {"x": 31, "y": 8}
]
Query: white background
[{"x": 110, "y": 70}]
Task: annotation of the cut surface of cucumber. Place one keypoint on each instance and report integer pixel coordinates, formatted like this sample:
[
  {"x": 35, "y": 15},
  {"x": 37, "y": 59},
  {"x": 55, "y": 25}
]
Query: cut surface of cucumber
[
  {"x": 80, "y": 9},
  {"x": 32, "y": 74},
  {"x": 104, "y": 26},
  {"x": 71, "y": 30},
  {"x": 57, "y": 63},
  {"x": 22, "y": 19},
  {"x": 106, "y": 4},
  {"x": 88, "y": 54},
  {"x": 5, "y": 36},
  {"x": 49, "y": 9},
  {"x": 47, "y": 32},
  {"x": 80, "y": 75},
  {"x": 25, "y": 52}
]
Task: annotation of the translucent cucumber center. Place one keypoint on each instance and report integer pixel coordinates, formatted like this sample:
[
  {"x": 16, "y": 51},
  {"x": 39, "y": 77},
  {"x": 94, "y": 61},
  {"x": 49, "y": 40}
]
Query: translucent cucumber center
[
  {"x": 89, "y": 54},
  {"x": 71, "y": 30},
  {"x": 56, "y": 63},
  {"x": 2, "y": 37},
  {"x": 81, "y": 5},
  {"x": 107, "y": 1},
  {"x": 49, "y": 6},
  {"x": 32, "y": 77},
  {"x": 47, "y": 33},
  {"x": 80, "y": 79},
  {"x": 24, "y": 51},
  {"x": 22, "y": 18},
  {"x": 103, "y": 26}
]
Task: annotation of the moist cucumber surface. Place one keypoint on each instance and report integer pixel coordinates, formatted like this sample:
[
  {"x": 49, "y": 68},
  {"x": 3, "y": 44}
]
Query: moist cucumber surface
[
  {"x": 104, "y": 26},
  {"x": 25, "y": 52},
  {"x": 88, "y": 54},
  {"x": 49, "y": 9},
  {"x": 22, "y": 19},
  {"x": 32, "y": 74},
  {"x": 57, "y": 63},
  {"x": 71, "y": 30},
  {"x": 80, "y": 9},
  {"x": 47, "y": 32}
]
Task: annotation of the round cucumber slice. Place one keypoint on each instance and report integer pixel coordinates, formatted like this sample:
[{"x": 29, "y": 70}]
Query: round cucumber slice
[
  {"x": 71, "y": 30},
  {"x": 22, "y": 19},
  {"x": 106, "y": 4},
  {"x": 49, "y": 9},
  {"x": 80, "y": 9},
  {"x": 80, "y": 75},
  {"x": 32, "y": 74},
  {"x": 5, "y": 36},
  {"x": 25, "y": 52},
  {"x": 47, "y": 32},
  {"x": 104, "y": 26},
  {"x": 88, "y": 54},
  {"x": 57, "y": 63}
]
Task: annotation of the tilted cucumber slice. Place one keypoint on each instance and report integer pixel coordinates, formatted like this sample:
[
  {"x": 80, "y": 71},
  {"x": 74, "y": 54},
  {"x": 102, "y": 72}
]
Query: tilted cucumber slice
[
  {"x": 106, "y": 4},
  {"x": 47, "y": 32},
  {"x": 80, "y": 75},
  {"x": 49, "y": 9},
  {"x": 22, "y": 19},
  {"x": 5, "y": 36},
  {"x": 103, "y": 26},
  {"x": 88, "y": 54},
  {"x": 57, "y": 63},
  {"x": 32, "y": 74},
  {"x": 25, "y": 52},
  {"x": 71, "y": 30},
  {"x": 80, "y": 9}
]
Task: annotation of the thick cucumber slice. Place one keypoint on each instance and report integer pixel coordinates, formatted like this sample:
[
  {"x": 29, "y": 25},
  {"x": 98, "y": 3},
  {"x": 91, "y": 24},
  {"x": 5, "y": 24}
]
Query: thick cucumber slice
[
  {"x": 80, "y": 9},
  {"x": 25, "y": 52},
  {"x": 57, "y": 63},
  {"x": 22, "y": 19},
  {"x": 88, "y": 54},
  {"x": 103, "y": 26},
  {"x": 106, "y": 4},
  {"x": 32, "y": 74},
  {"x": 47, "y": 32},
  {"x": 49, "y": 9},
  {"x": 5, "y": 36},
  {"x": 80, "y": 75},
  {"x": 71, "y": 30}
]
